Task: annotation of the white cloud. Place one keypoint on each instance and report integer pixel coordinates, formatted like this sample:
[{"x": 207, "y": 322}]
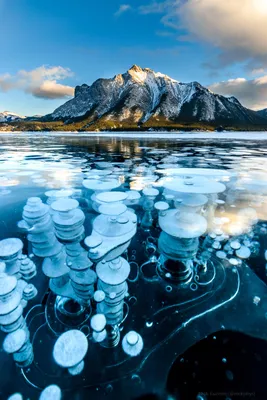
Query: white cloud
[
  {"x": 40, "y": 82},
  {"x": 122, "y": 9},
  {"x": 52, "y": 90},
  {"x": 156, "y": 7},
  {"x": 257, "y": 71},
  {"x": 238, "y": 28},
  {"x": 251, "y": 93}
]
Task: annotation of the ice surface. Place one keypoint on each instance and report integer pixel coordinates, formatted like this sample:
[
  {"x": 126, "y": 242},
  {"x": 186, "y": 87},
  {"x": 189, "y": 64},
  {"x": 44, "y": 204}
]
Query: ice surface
[{"x": 159, "y": 266}]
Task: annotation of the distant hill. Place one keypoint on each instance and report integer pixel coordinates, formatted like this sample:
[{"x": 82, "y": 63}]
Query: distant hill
[{"x": 8, "y": 116}]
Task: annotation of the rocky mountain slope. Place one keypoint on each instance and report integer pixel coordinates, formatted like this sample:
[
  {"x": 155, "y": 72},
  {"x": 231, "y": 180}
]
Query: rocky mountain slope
[
  {"x": 142, "y": 96},
  {"x": 262, "y": 113}
]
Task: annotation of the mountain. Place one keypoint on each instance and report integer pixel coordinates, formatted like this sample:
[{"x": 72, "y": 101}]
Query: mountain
[
  {"x": 142, "y": 97},
  {"x": 262, "y": 113},
  {"x": 36, "y": 117},
  {"x": 8, "y": 116}
]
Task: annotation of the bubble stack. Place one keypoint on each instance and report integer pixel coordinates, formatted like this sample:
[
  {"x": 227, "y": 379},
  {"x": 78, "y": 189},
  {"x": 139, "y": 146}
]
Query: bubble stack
[
  {"x": 112, "y": 232},
  {"x": 68, "y": 221},
  {"x": 12, "y": 322},
  {"x": 11, "y": 310},
  {"x": 27, "y": 267},
  {"x": 38, "y": 222},
  {"x": 112, "y": 278},
  {"x": 18, "y": 344}
]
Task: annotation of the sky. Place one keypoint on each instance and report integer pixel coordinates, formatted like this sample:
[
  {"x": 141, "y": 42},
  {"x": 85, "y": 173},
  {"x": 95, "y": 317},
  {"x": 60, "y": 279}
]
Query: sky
[{"x": 49, "y": 47}]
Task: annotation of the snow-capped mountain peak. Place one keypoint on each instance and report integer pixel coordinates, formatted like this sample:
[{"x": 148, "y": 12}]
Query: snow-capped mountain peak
[
  {"x": 141, "y": 95},
  {"x": 142, "y": 74},
  {"x": 138, "y": 74}
]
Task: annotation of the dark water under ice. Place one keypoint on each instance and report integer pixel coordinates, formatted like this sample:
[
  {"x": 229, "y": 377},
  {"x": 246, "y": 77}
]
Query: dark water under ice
[{"x": 208, "y": 345}]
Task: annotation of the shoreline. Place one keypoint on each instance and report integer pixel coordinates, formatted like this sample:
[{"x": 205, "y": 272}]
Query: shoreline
[{"x": 246, "y": 135}]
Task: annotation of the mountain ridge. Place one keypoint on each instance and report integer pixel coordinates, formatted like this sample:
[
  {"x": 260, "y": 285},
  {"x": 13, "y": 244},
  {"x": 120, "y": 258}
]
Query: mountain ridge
[
  {"x": 141, "y": 98},
  {"x": 140, "y": 93},
  {"x": 262, "y": 113}
]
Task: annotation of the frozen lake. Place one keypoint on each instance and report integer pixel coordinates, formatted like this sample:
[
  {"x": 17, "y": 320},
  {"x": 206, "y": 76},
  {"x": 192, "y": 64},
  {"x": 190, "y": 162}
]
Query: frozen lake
[{"x": 160, "y": 236}]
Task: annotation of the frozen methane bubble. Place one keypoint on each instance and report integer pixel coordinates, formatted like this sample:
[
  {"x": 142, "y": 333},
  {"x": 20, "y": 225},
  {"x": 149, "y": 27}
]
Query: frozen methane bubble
[
  {"x": 147, "y": 201},
  {"x": 111, "y": 197},
  {"x": 112, "y": 278},
  {"x": 179, "y": 243},
  {"x": 96, "y": 185},
  {"x": 27, "y": 268},
  {"x": 150, "y": 192},
  {"x": 38, "y": 223},
  {"x": 256, "y": 300},
  {"x": 68, "y": 221},
  {"x": 133, "y": 197},
  {"x": 103, "y": 198},
  {"x": 98, "y": 324},
  {"x": 235, "y": 245},
  {"x": 77, "y": 369},
  {"x": 15, "y": 396},
  {"x": 132, "y": 344},
  {"x": 111, "y": 234},
  {"x": 216, "y": 245},
  {"x": 11, "y": 310},
  {"x": 10, "y": 250},
  {"x": 18, "y": 344},
  {"x": 114, "y": 209},
  {"x": 29, "y": 292},
  {"x": 99, "y": 296},
  {"x": 234, "y": 261},
  {"x": 201, "y": 172},
  {"x": 100, "y": 336},
  {"x": 243, "y": 253},
  {"x": 199, "y": 185},
  {"x": 161, "y": 206},
  {"x": 70, "y": 349},
  {"x": 183, "y": 224},
  {"x": 169, "y": 198},
  {"x": 190, "y": 202},
  {"x": 221, "y": 255},
  {"x": 52, "y": 392},
  {"x": 54, "y": 195}
]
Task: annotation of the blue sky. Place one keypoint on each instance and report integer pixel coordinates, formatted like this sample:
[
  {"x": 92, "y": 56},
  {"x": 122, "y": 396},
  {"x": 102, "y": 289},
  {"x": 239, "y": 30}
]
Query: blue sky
[{"x": 47, "y": 48}]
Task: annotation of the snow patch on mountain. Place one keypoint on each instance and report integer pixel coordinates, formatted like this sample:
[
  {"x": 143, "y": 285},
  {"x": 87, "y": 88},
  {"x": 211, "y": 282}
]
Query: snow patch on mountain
[{"x": 8, "y": 116}]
